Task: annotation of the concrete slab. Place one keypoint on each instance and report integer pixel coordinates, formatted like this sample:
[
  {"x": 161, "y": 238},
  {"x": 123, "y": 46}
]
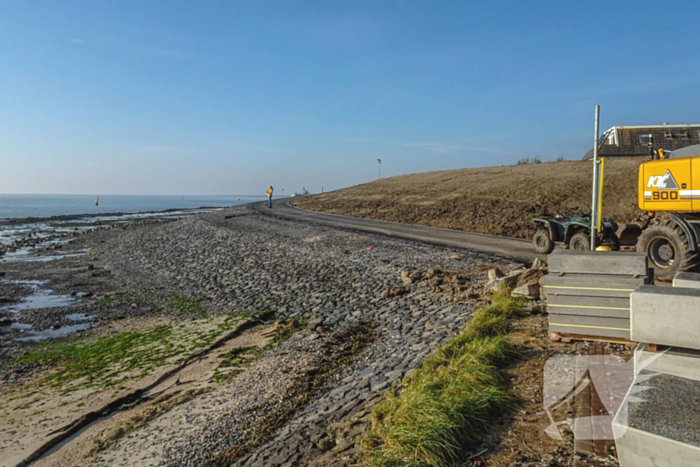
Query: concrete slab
[
  {"x": 591, "y": 285},
  {"x": 660, "y": 429},
  {"x": 598, "y": 262},
  {"x": 670, "y": 408},
  {"x": 689, "y": 280},
  {"x": 610, "y": 307},
  {"x": 675, "y": 361},
  {"x": 590, "y": 325},
  {"x": 666, "y": 315},
  {"x": 639, "y": 449}
]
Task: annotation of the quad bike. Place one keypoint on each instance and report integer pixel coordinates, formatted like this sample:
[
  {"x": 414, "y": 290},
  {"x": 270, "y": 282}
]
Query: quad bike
[{"x": 573, "y": 233}]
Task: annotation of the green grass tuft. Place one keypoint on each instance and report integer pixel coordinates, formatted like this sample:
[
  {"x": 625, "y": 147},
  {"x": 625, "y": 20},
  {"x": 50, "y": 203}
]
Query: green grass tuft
[{"x": 448, "y": 406}]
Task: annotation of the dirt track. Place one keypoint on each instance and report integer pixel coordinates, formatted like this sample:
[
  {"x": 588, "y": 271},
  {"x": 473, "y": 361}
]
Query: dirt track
[{"x": 493, "y": 200}]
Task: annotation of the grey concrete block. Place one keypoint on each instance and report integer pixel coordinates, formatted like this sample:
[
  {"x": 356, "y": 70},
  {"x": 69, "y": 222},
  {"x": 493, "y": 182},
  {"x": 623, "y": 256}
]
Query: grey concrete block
[
  {"x": 666, "y": 315},
  {"x": 674, "y": 361},
  {"x": 659, "y": 426},
  {"x": 591, "y": 285},
  {"x": 636, "y": 448},
  {"x": 690, "y": 280},
  {"x": 590, "y": 325},
  {"x": 610, "y": 307},
  {"x": 597, "y": 262},
  {"x": 590, "y": 333}
]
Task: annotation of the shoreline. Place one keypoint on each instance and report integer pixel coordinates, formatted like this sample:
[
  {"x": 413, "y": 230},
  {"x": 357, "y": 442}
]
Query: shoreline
[
  {"x": 286, "y": 390},
  {"x": 70, "y": 217}
]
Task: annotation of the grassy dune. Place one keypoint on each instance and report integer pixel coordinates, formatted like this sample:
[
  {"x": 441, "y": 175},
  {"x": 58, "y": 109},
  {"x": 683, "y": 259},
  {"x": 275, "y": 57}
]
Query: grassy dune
[{"x": 493, "y": 200}]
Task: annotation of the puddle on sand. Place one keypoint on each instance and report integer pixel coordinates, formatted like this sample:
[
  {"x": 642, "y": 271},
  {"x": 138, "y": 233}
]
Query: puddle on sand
[
  {"x": 52, "y": 333},
  {"x": 23, "y": 255},
  {"x": 40, "y": 298},
  {"x": 79, "y": 317},
  {"x": 32, "y": 259},
  {"x": 44, "y": 298}
]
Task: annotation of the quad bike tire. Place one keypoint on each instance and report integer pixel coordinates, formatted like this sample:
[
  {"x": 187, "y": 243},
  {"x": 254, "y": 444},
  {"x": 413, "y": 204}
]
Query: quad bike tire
[
  {"x": 612, "y": 241},
  {"x": 668, "y": 249},
  {"x": 580, "y": 241},
  {"x": 543, "y": 243}
]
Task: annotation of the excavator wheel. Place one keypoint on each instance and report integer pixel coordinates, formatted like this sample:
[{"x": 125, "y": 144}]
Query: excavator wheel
[{"x": 668, "y": 249}]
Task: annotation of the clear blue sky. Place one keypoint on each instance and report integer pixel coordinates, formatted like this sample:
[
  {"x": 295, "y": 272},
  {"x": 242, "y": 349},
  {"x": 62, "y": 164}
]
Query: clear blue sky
[{"x": 169, "y": 97}]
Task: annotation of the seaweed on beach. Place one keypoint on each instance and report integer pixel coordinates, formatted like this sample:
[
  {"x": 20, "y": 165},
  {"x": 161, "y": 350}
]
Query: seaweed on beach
[{"x": 110, "y": 359}]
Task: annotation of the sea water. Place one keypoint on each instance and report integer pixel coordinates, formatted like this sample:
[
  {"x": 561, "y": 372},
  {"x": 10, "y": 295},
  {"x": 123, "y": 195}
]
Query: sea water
[
  {"x": 23, "y": 206},
  {"x": 23, "y": 216}
]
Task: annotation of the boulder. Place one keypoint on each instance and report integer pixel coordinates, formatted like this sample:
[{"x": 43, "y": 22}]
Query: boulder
[
  {"x": 495, "y": 274},
  {"x": 508, "y": 281},
  {"x": 511, "y": 280},
  {"x": 416, "y": 276},
  {"x": 530, "y": 291},
  {"x": 406, "y": 277},
  {"x": 432, "y": 272},
  {"x": 394, "y": 292}
]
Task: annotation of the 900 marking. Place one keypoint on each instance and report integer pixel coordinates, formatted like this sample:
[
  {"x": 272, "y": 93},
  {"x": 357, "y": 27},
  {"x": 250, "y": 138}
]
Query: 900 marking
[{"x": 664, "y": 195}]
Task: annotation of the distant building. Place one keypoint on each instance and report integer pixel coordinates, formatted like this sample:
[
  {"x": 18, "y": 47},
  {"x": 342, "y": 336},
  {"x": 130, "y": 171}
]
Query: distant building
[{"x": 636, "y": 140}]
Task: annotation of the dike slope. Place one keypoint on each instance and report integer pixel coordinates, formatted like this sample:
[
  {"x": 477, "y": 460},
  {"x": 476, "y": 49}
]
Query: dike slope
[{"x": 492, "y": 200}]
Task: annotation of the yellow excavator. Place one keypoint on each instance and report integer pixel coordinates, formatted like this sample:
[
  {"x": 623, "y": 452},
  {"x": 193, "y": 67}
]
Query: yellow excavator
[{"x": 669, "y": 183}]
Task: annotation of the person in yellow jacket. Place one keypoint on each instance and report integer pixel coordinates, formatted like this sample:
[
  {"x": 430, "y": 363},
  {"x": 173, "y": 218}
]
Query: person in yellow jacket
[{"x": 269, "y": 196}]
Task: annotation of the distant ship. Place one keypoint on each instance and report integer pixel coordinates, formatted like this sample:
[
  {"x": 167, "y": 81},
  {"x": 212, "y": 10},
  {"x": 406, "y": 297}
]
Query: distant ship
[{"x": 97, "y": 201}]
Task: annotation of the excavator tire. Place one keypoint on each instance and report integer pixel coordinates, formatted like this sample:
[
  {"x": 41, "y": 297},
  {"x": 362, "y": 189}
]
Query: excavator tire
[{"x": 668, "y": 249}]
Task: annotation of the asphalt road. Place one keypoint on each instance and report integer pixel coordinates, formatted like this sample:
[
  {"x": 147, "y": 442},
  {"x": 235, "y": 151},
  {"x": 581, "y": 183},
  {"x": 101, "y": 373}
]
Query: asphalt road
[{"x": 514, "y": 248}]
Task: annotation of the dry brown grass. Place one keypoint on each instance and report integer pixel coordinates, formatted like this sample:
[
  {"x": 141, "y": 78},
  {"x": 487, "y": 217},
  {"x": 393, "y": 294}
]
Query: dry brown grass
[{"x": 493, "y": 200}]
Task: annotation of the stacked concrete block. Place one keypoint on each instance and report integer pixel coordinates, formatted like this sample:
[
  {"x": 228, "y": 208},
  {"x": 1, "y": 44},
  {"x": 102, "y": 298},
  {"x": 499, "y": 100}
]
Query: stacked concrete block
[
  {"x": 666, "y": 316},
  {"x": 675, "y": 361},
  {"x": 588, "y": 293},
  {"x": 687, "y": 279},
  {"x": 657, "y": 425}
]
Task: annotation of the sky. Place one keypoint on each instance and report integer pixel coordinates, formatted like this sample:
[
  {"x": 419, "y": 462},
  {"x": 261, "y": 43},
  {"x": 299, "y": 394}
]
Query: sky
[{"x": 228, "y": 97}]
